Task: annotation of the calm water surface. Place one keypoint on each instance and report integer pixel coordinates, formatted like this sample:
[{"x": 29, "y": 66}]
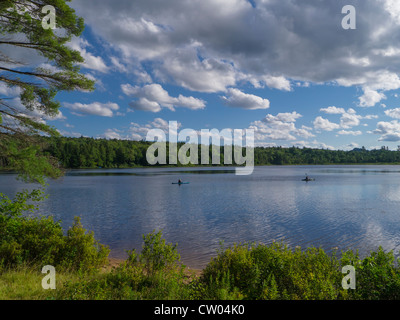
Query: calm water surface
[{"x": 348, "y": 207}]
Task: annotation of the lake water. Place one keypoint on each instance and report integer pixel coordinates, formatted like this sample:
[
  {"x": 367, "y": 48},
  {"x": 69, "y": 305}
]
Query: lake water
[{"x": 348, "y": 207}]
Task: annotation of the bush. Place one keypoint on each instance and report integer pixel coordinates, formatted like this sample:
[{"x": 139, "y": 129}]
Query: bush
[
  {"x": 156, "y": 254},
  {"x": 272, "y": 272},
  {"x": 377, "y": 276},
  {"x": 81, "y": 250},
  {"x": 276, "y": 272},
  {"x": 40, "y": 240},
  {"x": 155, "y": 273}
]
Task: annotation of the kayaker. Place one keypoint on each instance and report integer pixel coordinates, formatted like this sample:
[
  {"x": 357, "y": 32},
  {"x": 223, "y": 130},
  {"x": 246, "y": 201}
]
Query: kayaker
[{"x": 179, "y": 181}]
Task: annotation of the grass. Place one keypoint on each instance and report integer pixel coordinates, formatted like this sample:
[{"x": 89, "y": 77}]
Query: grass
[
  {"x": 243, "y": 271},
  {"x": 250, "y": 272},
  {"x": 25, "y": 283}
]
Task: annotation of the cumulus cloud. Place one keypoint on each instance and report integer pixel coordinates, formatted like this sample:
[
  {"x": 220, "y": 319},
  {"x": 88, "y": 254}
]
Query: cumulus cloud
[
  {"x": 279, "y": 127},
  {"x": 138, "y": 131},
  {"x": 275, "y": 82},
  {"x": 349, "y": 132},
  {"x": 7, "y": 91},
  {"x": 95, "y": 108},
  {"x": 352, "y": 145},
  {"x": 207, "y": 75},
  {"x": 333, "y": 110},
  {"x": 304, "y": 132},
  {"x": 348, "y": 119},
  {"x": 153, "y": 97},
  {"x": 370, "y": 98},
  {"x": 208, "y": 45},
  {"x": 310, "y": 144},
  {"x": 239, "y": 99},
  {"x": 282, "y": 117},
  {"x": 321, "y": 123},
  {"x": 389, "y": 131},
  {"x": 91, "y": 61},
  {"x": 393, "y": 113},
  {"x": 71, "y": 134}
]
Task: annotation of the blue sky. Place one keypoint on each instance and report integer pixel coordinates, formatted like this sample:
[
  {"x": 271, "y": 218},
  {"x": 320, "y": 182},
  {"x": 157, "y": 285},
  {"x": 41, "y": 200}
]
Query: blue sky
[{"x": 286, "y": 69}]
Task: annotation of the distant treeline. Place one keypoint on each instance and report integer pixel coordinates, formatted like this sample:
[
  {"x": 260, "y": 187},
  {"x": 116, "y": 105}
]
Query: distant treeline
[{"x": 93, "y": 153}]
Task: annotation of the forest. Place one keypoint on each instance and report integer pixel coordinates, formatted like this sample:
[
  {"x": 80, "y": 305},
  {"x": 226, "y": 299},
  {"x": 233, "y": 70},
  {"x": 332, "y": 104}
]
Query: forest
[{"x": 102, "y": 153}]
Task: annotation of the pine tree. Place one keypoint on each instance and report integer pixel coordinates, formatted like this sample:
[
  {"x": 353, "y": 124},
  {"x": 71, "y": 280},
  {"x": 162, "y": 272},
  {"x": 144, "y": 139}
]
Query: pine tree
[{"x": 22, "y": 120}]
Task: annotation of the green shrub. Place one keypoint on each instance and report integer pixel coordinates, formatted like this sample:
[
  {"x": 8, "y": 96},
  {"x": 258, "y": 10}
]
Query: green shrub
[
  {"x": 38, "y": 240},
  {"x": 155, "y": 273},
  {"x": 81, "y": 250},
  {"x": 156, "y": 254},
  {"x": 272, "y": 272},
  {"x": 377, "y": 276}
]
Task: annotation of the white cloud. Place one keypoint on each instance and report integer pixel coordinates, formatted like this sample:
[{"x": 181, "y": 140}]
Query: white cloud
[
  {"x": 118, "y": 65},
  {"x": 393, "y": 113},
  {"x": 274, "y": 82},
  {"x": 153, "y": 97},
  {"x": 282, "y": 117},
  {"x": 144, "y": 104},
  {"x": 370, "y": 116},
  {"x": 371, "y": 97},
  {"x": 9, "y": 91},
  {"x": 36, "y": 114},
  {"x": 111, "y": 134},
  {"x": 91, "y": 61},
  {"x": 279, "y": 127},
  {"x": 349, "y": 120},
  {"x": 70, "y": 134},
  {"x": 142, "y": 76},
  {"x": 208, "y": 45},
  {"x": 209, "y": 75},
  {"x": 393, "y": 8},
  {"x": 309, "y": 144},
  {"x": 239, "y": 99},
  {"x": 352, "y": 145},
  {"x": 324, "y": 124},
  {"x": 349, "y": 132},
  {"x": 389, "y": 131},
  {"x": 304, "y": 132},
  {"x": 95, "y": 108},
  {"x": 333, "y": 110},
  {"x": 138, "y": 131}
]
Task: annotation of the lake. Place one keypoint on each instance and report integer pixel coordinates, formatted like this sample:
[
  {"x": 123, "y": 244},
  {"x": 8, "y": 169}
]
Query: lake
[{"x": 348, "y": 207}]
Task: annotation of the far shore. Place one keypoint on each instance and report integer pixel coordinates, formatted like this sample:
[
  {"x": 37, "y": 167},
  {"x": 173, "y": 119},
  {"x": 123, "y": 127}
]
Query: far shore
[{"x": 12, "y": 171}]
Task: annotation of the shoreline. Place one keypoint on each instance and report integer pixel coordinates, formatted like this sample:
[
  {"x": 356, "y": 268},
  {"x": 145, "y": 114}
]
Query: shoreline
[{"x": 13, "y": 171}]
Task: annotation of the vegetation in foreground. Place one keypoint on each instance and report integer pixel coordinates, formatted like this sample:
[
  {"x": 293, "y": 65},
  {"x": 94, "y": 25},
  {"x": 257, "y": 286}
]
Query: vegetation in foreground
[{"x": 243, "y": 271}]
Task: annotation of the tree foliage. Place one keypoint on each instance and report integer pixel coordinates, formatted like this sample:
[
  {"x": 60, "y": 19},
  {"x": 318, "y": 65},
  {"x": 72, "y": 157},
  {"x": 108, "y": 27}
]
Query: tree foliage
[
  {"x": 22, "y": 119},
  {"x": 93, "y": 153}
]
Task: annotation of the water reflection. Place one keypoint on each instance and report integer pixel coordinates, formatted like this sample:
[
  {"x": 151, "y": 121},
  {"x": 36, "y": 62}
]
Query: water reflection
[
  {"x": 145, "y": 172},
  {"x": 345, "y": 207}
]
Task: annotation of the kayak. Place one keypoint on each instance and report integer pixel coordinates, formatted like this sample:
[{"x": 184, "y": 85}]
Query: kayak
[
  {"x": 311, "y": 179},
  {"x": 180, "y": 182}
]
